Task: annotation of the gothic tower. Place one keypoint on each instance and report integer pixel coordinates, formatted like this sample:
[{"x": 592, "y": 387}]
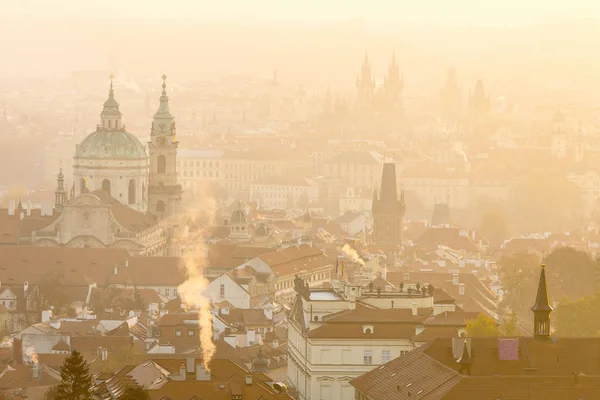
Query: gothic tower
[
  {"x": 479, "y": 101},
  {"x": 387, "y": 210},
  {"x": 365, "y": 84},
  {"x": 541, "y": 310},
  {"x": 60, "y": 195},
  {"x": 164, "y": 193},
  {"x": 394, "y": 83}
]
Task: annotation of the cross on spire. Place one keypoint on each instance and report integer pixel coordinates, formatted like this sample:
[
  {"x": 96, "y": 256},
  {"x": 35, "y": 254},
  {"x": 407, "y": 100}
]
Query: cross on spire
[{"x": 111, "y": 77}]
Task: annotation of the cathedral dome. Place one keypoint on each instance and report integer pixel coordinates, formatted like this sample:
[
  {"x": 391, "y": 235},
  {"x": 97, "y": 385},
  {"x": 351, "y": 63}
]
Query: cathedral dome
[
  {"x": 239, "y": 216},
  {"x": 111, "y": 145}
]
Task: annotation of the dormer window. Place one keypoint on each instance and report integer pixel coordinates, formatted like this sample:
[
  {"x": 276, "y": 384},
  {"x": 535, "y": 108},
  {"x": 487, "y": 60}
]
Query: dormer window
[{"x": 368, "y": 329}]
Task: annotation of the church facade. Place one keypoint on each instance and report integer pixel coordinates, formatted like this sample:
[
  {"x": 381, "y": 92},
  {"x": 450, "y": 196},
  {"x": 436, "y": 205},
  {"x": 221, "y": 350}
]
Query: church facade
[{"x": 122, "y": 196}]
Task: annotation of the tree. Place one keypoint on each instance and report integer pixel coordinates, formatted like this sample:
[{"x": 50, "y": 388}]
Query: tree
[
  {"x": 577, "y": 318},
  {"x": 76, "y": 381},
  {"x": 50, "y": 393},
  {"x": 430, "y": 289},
  {"x": 571, "y": 273},
  {"x": 493, "y": 228},
  {"x": 510, "y": 325},
  {"x": 483, "y": 326},
  {"x": 135, "y": 393},
  {"x": 138, "y": 300},
  {"x": 49, "y": 292},
  {"x": 519, "y": 274}
]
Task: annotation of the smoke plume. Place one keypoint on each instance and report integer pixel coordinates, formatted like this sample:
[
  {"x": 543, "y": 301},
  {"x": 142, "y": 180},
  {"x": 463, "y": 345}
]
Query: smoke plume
[
  {"x": 352, "y": 255},
  {"x": 191, "y": 240}
]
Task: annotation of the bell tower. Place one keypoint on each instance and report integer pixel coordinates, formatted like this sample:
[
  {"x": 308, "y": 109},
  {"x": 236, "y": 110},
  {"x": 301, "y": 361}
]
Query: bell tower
[
  {"x": 164, "y": 193},
  {"x": 542, "y": 309}
]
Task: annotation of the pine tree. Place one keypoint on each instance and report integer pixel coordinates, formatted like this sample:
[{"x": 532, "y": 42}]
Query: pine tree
[{"x": 76, "y": 381}]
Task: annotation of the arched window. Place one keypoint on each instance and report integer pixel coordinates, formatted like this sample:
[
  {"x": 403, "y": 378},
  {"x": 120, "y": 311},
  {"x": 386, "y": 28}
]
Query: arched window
[
  {"x": 160, "y": 206},
  {"x": 81, "y": 185},
  {"x": 162, "y": 164},
  {"x": 131, "y": 196},
  {"x": 106, "y": 186}
]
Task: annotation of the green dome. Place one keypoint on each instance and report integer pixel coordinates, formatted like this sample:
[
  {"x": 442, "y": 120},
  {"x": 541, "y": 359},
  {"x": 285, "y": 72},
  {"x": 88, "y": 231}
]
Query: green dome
[{"x": 104, "y": 144}]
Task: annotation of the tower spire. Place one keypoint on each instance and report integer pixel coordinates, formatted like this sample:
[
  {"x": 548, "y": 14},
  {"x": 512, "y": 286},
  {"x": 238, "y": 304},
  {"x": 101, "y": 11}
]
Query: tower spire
[
  {"x": 542, "y": 309},
  {"x": 60, "y": 195},
  {"x": 163, "y": 119},
  {"x": 110, "y": 118}
]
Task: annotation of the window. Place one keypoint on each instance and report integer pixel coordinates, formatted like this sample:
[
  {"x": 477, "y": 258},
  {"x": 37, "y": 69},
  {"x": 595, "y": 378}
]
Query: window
[
  {"x": 222, "y": 292},
  {"x": 386, "y": 356},
  {"x": 191, "y": 332},
  {"x": 167, "y": 292},
  {"x": 160, "y": 206},
  {"x": 82, "y": 185},
  {"x": 177, "y": 333},
  {"x": 368, "y": 357},
  {"x": 106, "y": 186},
  {"x": 403, "y": 352},
  {"x": 131, "y": 196},
  {"x": 161, "y": 163},
  {"x": 174, "y": 292}
]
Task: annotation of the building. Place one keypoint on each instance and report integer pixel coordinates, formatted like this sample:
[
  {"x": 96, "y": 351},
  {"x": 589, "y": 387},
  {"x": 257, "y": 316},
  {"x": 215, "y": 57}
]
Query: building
[
  {"x": 538, "y": 367},
  {"x": 112, "y": 159},
  {"x": 387, "y": 210},
  {"x": 284, "y": 192}
]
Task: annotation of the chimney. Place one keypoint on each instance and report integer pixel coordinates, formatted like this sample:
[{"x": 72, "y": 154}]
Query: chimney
[
  {"x": 28, "y": 208},
  {"x": 202, "y": 374},
  {"x": 182, "y": 371},
  {"x": 25, "y": 287},
  {"x": 189, "y": 361},
  {"x": 11, "y": 207},
  {"x": 249, "y": 380},
  {"x": 46, "y": 315},
  {"x": 413, "y": 307},
  {"x": 455, "y": 279},
  {"x": 116, "y": 270},
  {"x": 127, "y": 262}
]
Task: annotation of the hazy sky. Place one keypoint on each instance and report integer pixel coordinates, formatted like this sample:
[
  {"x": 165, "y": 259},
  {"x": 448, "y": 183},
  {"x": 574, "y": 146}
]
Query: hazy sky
[{"x": 450, "y": 11}]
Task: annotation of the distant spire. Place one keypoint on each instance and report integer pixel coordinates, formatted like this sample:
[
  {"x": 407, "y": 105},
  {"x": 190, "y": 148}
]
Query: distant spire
[
  {"x": 60, "y": 195},
  {"x": 111, "y": 116},
  {"x": 542, "y": 309}
]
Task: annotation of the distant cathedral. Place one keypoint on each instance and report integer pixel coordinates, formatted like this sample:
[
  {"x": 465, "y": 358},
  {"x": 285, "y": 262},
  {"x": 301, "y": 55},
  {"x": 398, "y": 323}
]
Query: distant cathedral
[{"x": 388, "y": 211}]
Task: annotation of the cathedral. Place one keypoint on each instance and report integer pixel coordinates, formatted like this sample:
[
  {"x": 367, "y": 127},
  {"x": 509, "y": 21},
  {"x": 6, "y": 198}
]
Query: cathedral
[{"x": 122, "y": 196}]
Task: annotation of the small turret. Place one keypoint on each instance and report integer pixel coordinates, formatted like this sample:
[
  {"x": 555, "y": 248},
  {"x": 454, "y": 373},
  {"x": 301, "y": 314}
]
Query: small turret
[{"x": 542, "y": 309}]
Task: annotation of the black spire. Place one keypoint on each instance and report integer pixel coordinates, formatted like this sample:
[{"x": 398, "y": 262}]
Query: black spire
[
  {"x": 60, "y": 193},
  {"x": 542, "y": 309}
]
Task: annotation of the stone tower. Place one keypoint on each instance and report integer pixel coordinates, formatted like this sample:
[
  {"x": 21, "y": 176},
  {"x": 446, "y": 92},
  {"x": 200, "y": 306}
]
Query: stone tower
[
  {"x": 387, "y": 210},
  {"x": 164, "y": 193}
]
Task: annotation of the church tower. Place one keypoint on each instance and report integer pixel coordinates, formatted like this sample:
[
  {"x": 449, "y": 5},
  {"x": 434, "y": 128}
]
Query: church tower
[
  {"x": 164, "y": 193},
  {"x": 365, "y": 84},
  {"x": 479, "y": 101},
  {"x": 394, "y": 83},
  {"x": 60, "y": 195},
  {"x": 387, "y": 210},
  {"x": 542, "y": 309}
]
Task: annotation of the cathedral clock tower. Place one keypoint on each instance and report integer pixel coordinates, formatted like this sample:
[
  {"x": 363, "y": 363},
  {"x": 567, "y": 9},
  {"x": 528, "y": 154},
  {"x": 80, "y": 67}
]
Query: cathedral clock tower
[{"x": 164, "y": 193}]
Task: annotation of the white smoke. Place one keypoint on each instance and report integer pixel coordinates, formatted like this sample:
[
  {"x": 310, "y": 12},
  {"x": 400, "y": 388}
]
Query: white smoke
[
  {"x": 194, "y": 261},
  {"x": 352, "y": 255}
]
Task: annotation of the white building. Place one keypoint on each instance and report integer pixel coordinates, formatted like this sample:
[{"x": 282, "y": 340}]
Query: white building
[
  {"x": 225, "y": 288},
  {"x": 282, "y": 193},
  {"x": 332, "y": 339}
]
